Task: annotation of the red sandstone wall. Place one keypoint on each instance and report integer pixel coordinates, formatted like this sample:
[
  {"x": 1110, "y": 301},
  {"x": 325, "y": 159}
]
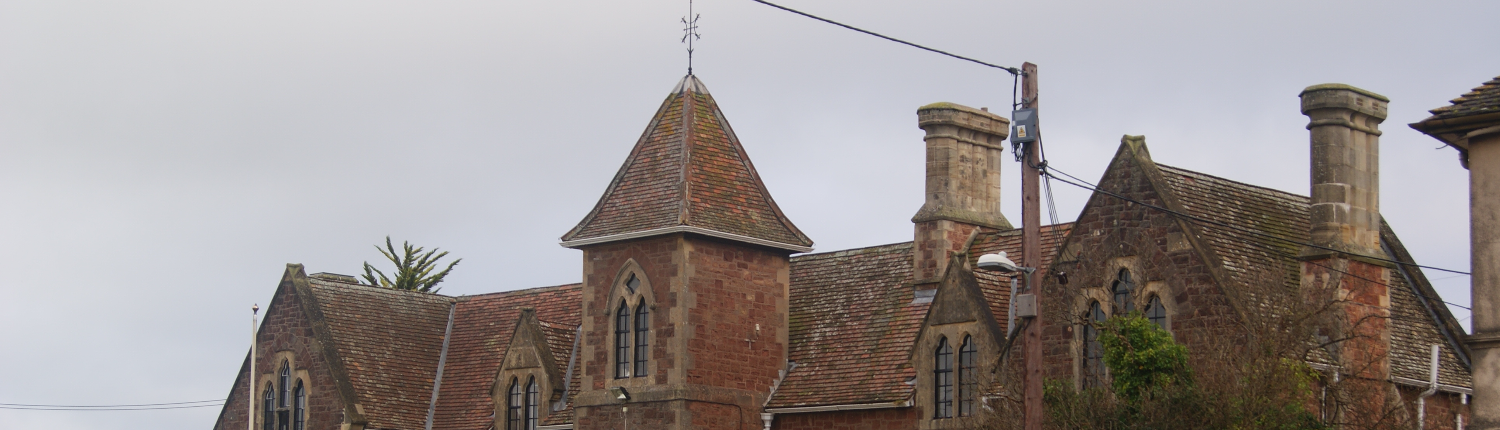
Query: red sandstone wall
[
  {"x": 1112, "y": 228},
  {"x": 287, "y": 328},
  {"x": 735, "y": 288},
  {"x": 873, "y": 419},
  {"x": 601, "y": 264}
]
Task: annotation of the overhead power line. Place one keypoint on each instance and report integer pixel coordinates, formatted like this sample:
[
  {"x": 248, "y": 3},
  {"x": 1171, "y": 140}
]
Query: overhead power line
[
  {"x": 131, "y": 407},
  {"x": 1012, "y": 70}
]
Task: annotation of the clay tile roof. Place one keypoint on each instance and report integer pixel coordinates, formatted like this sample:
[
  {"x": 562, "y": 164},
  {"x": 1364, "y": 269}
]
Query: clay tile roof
[
  {"x": 560, "y": 339},
  {"x": 482, "y": 329},
  {"x": 1415, "y": 326},
  {"x": 852, "y": 326},
  {"x": 688, "y": 172},
  {"x": 1481, "y": 100},
  {"x": 995, "y": 286},
  {"x": 389, "y": 341}
]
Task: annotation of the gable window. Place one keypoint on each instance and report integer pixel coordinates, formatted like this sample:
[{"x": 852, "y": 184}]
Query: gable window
[
  {"x": 968, "y": 380},
  {"x": 642, "y": 337},
  {"x": 1157, "y": 313},
  {"x": 942, "y": 380},
  {"x": 1122, "y": 289},
  {"x": 284, "y": 382},
  {"x": 533, "y": 397},
  {"x": 1093, "y": 352},
  {"x": 299, "y": 407},
  {"x": 622, "y": 341},
  {"x": 268, "y": 407},
  {"x": 513, "y": 418}
]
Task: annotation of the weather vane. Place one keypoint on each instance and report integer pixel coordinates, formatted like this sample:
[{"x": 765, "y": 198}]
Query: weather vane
[{"x": 689, "y": 33}]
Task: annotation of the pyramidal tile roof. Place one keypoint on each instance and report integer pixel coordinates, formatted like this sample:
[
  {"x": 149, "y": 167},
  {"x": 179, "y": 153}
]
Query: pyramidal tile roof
[
  {"x": 1481, "y": 100},
  {"x": 688, "y": 173}
]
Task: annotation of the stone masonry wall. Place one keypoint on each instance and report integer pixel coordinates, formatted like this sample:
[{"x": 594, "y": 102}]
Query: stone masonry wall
[
  {"x": 1114, "y": 234},
  {"x": 287, "y": 329},
  {"x": 872, "y": 419},
  {"x": 659, "y": 260},
  {"x": 710, "y": 367}
]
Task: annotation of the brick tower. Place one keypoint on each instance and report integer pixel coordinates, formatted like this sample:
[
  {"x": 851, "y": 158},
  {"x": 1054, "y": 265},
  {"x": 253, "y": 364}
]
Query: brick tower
[{"x": 685, "y": 276}]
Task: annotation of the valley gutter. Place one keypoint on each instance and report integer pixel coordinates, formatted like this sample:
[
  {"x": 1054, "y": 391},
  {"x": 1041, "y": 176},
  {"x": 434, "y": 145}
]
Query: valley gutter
[{"x": 437, "y": 381}]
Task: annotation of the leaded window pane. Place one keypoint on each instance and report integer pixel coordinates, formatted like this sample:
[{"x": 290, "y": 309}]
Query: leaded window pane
[
  {"x": 622, "y": 341},
  {"x": 533, "y": 398},
  {"x": 632, "y": 283},
  {"x": 1157, "y": 313},
  {"x": 299, "y": 407},
  {"x": 968, "y": 379},
  {"x": 1093, "y": 352},
  {"x": 268, "y": 407},
  {"x": 513, "y": 418},
  {"x": 1122, "y": 289},
  {"x": 285, "y": 383},
  {"x": 942, "y": 380},
  {"x": 642, "y": 338}
]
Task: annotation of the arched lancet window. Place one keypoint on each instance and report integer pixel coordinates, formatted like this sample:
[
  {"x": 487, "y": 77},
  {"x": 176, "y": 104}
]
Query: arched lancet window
[
  {"x": 968, "y": 378},
  {"x": 1157, "y": 313},
  {"x": 642, "y": 338},
  {"x": 299, "y": 407},
  {"x": 285, "y": 383},
  {"x": 268, "y": 406},
  {"x": 533, "y": 398},
  {"x": 942, "y": 380},
  {"x": 622, "y": 341},
  {"x": 1122, "y": 289},
  {"x": 1093, "y": 352},
  {"x": 513, "y": 418}
]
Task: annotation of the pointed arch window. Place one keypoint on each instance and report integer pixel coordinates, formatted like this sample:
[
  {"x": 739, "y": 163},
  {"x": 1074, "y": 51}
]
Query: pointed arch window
[
  {"x": 284, "y": 382},
  {"x": 299, "y": 407},
  {"x": 968, "y": 379},
  {"x": 622, "y": 341},
  {"x": 1122, "y": 288},
  {"x": 642, "y": 338},
  {"x": 268, "y": 408},
  {"x": 513, "y": 406},
  {"x": 533, "y": 398},
  {"x": 942, "y": 380},
  {"x": 1093, "y": 352},
  {"x": 1157, "y": 313}
]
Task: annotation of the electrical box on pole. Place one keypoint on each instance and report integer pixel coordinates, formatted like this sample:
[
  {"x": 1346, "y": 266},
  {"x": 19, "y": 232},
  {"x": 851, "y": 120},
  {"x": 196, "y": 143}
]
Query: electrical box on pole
[{"x": 1023, "y": 126}]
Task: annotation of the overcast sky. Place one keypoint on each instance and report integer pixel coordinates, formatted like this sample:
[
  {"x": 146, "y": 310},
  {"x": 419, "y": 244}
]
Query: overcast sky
[{"x": 161, "y": 161}]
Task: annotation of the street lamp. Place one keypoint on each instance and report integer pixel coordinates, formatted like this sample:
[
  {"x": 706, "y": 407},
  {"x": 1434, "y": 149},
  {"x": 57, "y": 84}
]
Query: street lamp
[
  {"x": 1023, "y": 305},
  {"x": 1000, "y": 263}
]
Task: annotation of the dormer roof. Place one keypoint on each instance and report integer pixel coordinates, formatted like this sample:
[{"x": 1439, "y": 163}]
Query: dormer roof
[{"x": 688, "y": 174}]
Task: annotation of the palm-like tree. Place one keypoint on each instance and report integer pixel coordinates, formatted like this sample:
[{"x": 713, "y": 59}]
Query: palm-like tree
[{"x": 413, "y": 268}]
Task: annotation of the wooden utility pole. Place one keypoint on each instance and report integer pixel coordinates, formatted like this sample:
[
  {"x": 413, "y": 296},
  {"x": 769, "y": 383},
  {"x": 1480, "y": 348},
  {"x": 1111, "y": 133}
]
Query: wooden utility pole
[{"x": 1031, "y": 252}]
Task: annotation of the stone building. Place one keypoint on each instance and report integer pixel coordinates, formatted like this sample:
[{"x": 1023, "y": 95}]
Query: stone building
[
  {"x": 1471, "y": 124},
  {"x": 700, "y": 305}
]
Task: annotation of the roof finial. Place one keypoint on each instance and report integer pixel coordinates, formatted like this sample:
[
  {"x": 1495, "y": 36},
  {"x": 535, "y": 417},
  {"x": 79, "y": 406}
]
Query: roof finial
[{"x": 690, "y": 33}]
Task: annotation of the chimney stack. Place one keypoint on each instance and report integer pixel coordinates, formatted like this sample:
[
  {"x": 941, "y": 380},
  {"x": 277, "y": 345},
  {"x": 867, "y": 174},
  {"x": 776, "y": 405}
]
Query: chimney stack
[
  {"x": 964, "y": 150},
  {"x": 1345, "y": 132}
]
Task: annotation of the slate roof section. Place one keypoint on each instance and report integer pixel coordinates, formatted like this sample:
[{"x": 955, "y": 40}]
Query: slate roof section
[
  {"x": 1481, "y": 100},
  {"x": 852, "y": 327},
  {"x": 482, "y": 329},
  {"x": 1415, "y": 326},
  {"x": 389, "y": 341},
  {"x": 688, "y": 170}
]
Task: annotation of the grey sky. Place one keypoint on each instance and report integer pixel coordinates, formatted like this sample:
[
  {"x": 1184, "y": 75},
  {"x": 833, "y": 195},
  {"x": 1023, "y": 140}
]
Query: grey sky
[{"x": 161, "y": 161}]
